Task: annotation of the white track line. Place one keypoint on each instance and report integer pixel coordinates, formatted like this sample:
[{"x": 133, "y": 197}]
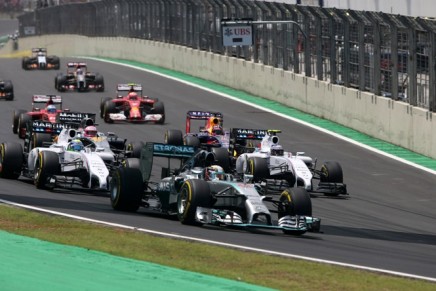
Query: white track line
[{"x": 240, "y": 247}]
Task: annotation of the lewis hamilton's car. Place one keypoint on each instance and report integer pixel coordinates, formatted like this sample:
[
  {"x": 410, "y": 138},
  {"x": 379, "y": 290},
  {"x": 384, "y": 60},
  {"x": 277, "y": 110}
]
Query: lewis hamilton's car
[
  {"x": 130, "y": 105},
  {"x": 200, "y": 192},
  {"x": 39, "y": 60},
  {"x": 6, "y": 90},
  {"x": 268, "y": 160},
  {"x": 72, "y": 160}
]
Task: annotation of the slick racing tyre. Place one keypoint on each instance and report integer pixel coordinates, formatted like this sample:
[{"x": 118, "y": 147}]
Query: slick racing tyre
[
  {"x": 331, "y": 172},
  {"x": 108, "y": 108},
  {"x": 135, "y": 149},
  {"x": 294, "y": 201},
  {"x": 15, "y": 118},
  {"x": 158, "y": 108},
  {"x": 24, "y": 62},
  {"x": 60, "y": 81},
  {"x": 9, "y": 90},
  {"x": 99, "y": 83},
  {"x": 132, "y": 163},
  {"x": 40, "y": 139},
  {"x": 126, "y": 189},
  {"x": 22, "y": 124},
  {"x": 11, "y": 160},
  {"x": 222, "y": 158},
  {"x": 258, "y": 167},
  {"x": 47, "y": 165},
  {"x": 102, "y": 103},
  {"x": 191, "y": 140},
  {"x": 173, "y": 137},
  {"x": 193, "y": 194}
]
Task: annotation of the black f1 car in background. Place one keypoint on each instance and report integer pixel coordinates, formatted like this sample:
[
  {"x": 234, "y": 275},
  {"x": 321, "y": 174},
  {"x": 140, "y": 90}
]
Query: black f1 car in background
[
  {"x": 6, "y": 90},
  {"x": 39, "y": 60},
  {"x": 130, "y": 105},
  {"x": 79, "y": 78},
  {"x": 198, "y": 192}
]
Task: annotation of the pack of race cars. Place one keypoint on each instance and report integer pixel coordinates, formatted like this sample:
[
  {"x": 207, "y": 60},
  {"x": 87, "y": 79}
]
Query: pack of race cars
[{"x": 240, "y": 177}]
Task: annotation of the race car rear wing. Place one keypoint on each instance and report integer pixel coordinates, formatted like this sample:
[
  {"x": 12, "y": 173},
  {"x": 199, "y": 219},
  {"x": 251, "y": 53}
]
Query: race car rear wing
[
  {"x": 41, "y": 126},
  {"x": 201, "y": 115},
  {"x": 39, "y": 50},
  {"x": 50, "y": 99},
  {"x": 246, "y": 133},
  {"x": 151, "y": 150},
  {"x": 127, "y": 87},
  {"x": 75, "y": 117}
]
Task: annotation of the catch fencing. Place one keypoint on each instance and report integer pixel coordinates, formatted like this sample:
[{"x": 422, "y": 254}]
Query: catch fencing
[{"x": 388, "y": 55}]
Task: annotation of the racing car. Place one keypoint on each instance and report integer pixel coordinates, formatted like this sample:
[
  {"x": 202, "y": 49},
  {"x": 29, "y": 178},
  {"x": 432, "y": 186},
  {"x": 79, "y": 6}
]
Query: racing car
[
  {"x": 210, "y": 133},
  {"x": 199, "y": 192},
  {"x": 268, "y": 161},
  {"x": 79, "y": 78},
  {"x": 130, "y": 105},
  {"x": 51, "y": 112},
  {"x": 40, "y": 60},
  {"x": 73, "y": 160},
  {"x": 6, "y": 90}
]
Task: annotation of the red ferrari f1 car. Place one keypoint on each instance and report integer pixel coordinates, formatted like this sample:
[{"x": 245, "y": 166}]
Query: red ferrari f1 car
[
  {"x": 130, "y": 105},
  {"x": 51, "y": 112}
]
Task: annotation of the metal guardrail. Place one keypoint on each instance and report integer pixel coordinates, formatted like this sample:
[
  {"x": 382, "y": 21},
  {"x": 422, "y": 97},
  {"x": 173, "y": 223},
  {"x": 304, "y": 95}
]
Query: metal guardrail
[{"x": 388, "y": 55}]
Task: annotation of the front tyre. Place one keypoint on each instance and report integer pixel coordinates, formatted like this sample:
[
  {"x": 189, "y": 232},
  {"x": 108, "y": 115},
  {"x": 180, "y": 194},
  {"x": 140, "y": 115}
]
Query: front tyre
[
  {"x": 193, "y": 194},
  {"x": 173, "y": 137}
]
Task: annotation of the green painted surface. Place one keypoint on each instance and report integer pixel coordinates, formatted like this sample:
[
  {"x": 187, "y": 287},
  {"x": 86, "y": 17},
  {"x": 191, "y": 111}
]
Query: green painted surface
[
  {"x": 386, "y": 147},
  {"x": 32, "y": 264}
]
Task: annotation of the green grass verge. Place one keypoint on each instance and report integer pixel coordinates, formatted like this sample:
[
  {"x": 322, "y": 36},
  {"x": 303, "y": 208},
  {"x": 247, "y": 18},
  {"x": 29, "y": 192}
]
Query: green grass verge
[{"x": 264, "y": 270}]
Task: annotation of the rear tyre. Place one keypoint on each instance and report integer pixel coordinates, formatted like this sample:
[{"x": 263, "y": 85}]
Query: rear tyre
[
  {"x": 126, "y": 189},
  {"x": 47, "y": 165},
  {"x": 22, "y": 124},
  {"x": 15, "y": 117},
  {"x": 193, "y": 194},
  {"x": 191, "y": 140},
  {"x": 222, "y": 158},
  {"x": 132, "y": 163},
  {"x": 135, "y": 149},
  {"x": 11, "y": 160},
  {"x": 258, "y": 167},
  {"x": 99, "y": 82},
  {"x": 173, "y": 137},
  {"x": 9, "y": 90},
  {"x": 41, "y": 140}
]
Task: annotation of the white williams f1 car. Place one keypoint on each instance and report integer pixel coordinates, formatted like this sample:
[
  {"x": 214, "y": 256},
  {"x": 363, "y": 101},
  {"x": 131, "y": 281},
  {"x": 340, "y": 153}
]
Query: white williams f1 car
[
  {"x": 268, "y": 160},
  {"x": 74, "y": 161}
]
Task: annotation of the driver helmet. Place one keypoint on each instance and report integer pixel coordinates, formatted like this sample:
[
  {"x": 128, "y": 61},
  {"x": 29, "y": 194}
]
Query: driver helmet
[
  {"x": 217, "y": 130},
  {"x": 133, "y": 96},
  {"x": 79, "y": 71},
  {"x": 75, "y": 146},
  {"x": 51, "y": 109},
  {"x": 215, "y": 172},
  {"x": 277, "y": 150},
  {"x": 90, "y": 131}
]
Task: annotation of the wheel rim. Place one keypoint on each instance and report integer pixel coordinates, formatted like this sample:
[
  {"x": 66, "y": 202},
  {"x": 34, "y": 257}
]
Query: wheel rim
[{"x": 183, "y": 202}]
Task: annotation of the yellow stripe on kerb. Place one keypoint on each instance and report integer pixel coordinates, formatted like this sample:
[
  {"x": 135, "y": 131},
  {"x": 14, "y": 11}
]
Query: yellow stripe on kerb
[{"x": 17, "y": 54}]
